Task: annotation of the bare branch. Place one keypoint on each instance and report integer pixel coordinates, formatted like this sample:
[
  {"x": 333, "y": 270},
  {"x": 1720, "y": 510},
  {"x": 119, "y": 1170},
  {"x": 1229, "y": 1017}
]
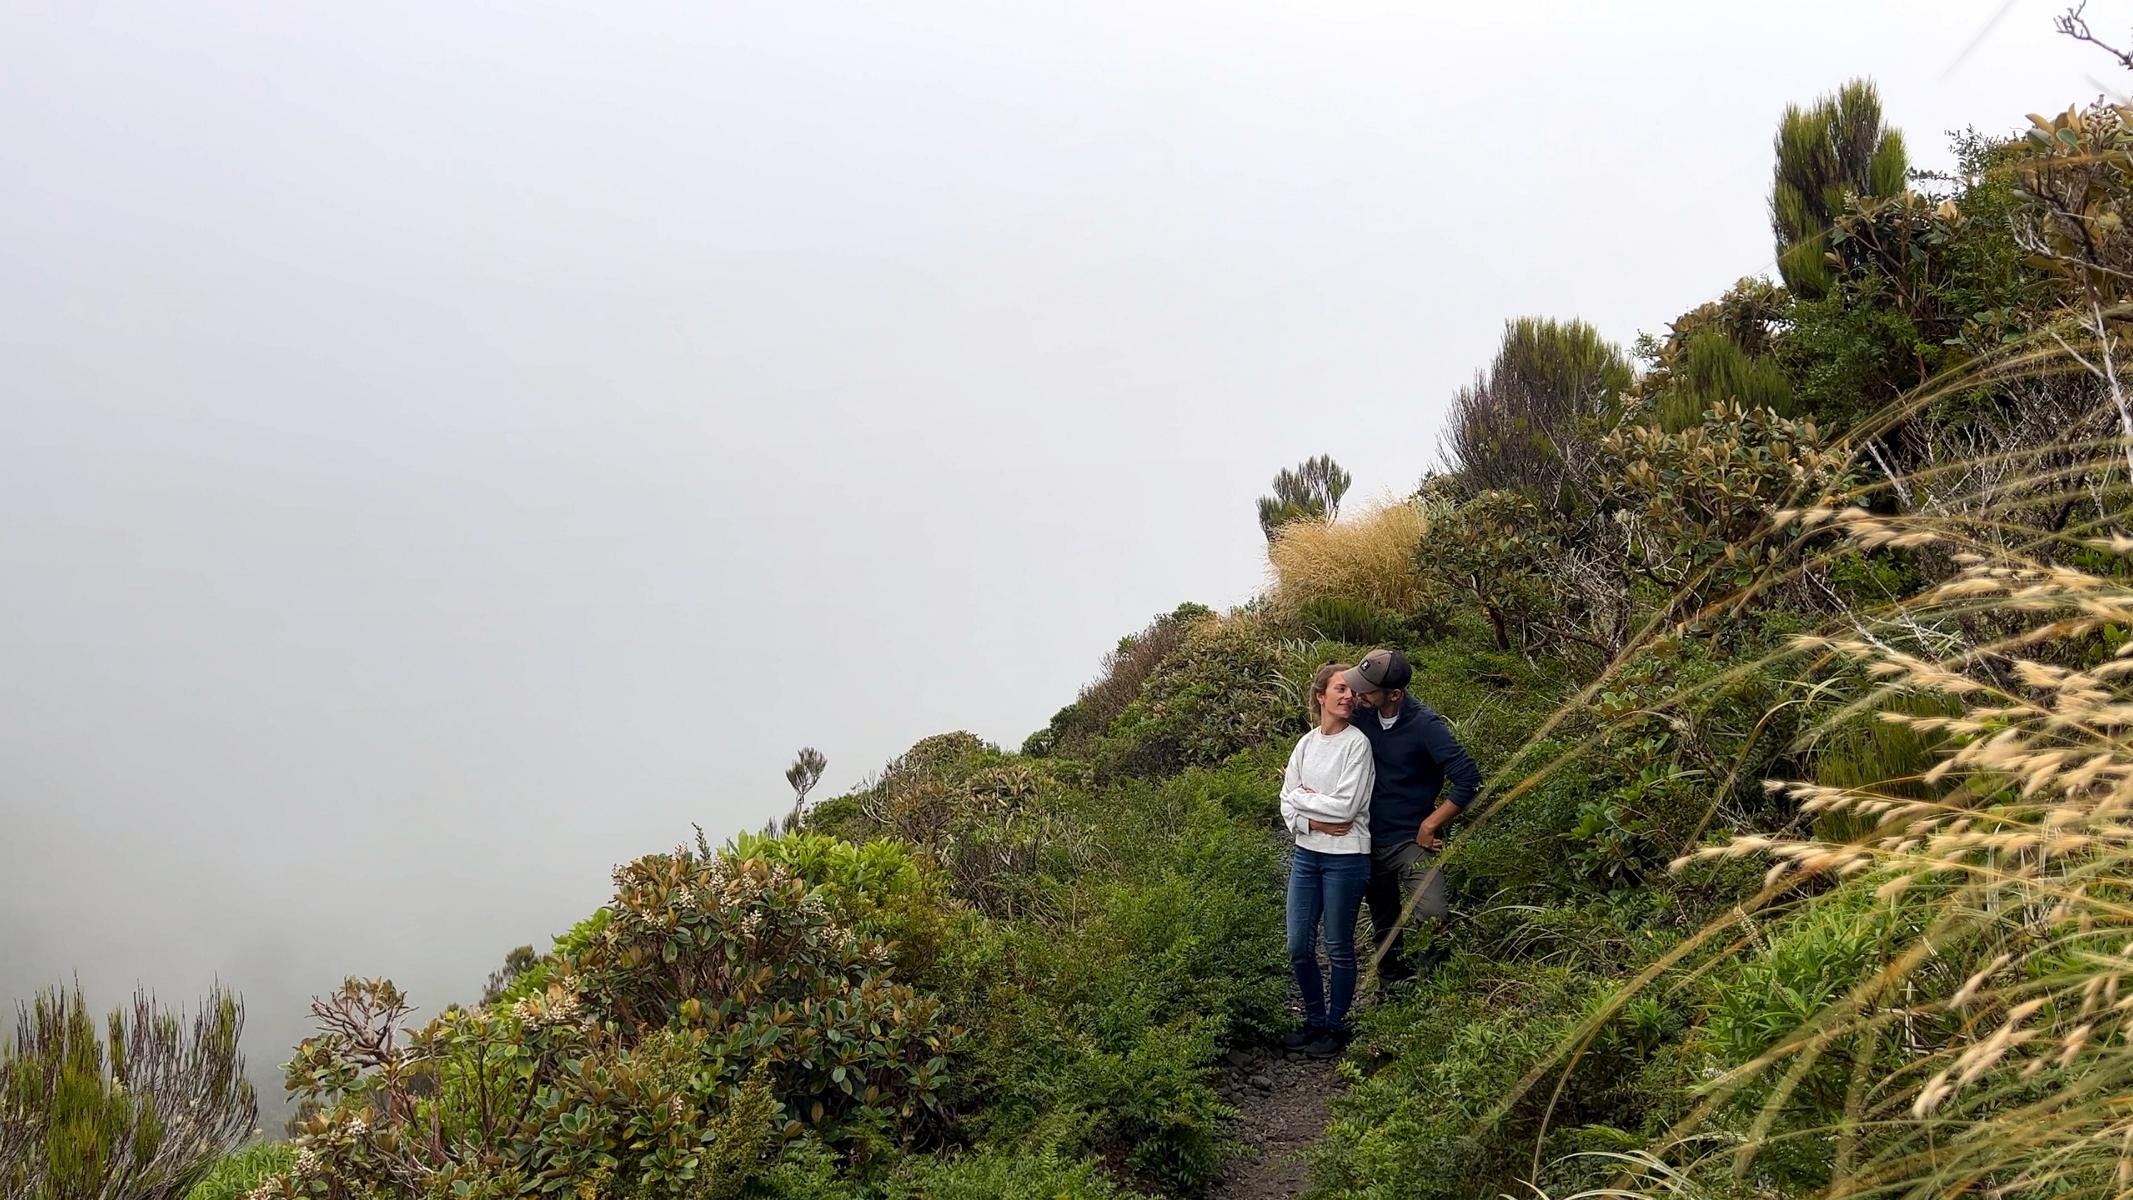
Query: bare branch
[{"x": 2074, "y": 25}]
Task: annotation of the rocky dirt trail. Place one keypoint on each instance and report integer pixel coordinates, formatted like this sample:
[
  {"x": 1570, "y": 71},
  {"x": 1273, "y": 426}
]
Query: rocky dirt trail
[{"x": 1286, "y": 1100}]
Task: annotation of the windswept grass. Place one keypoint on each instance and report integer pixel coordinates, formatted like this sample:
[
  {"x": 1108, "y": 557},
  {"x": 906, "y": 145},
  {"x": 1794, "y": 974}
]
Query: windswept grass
[
  {"x": 1965, "y": 1030},
  {"x": 1368, "y": 558}
]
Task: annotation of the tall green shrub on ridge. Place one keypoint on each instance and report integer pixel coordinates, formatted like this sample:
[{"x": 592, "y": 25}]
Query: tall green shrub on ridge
[
  {"x": 139, "y": 1111},
  {"x": 1311, "y": 492},
  {"x": 1716, "y": 371},
  {"x": 1221, "y": 691},
  {"x": 1717, "y": 352},
  {"x": 1074, "y": 729},
  {"x": 1827, "y": 152},
  {"x": 1525, "y": 423}
]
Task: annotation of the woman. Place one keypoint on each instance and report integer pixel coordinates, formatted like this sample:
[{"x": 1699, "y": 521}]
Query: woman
[{"x": 1325, "y": 801}]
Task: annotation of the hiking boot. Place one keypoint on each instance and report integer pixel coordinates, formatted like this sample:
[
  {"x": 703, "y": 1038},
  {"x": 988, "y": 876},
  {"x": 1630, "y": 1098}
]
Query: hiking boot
[
  {"x": 1297, "y": 1039},
  {"x": 1328, "y": 1044}
]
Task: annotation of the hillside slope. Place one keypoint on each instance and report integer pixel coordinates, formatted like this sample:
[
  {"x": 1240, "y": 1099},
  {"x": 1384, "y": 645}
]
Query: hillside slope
[{"x": 1769, "y": 554}]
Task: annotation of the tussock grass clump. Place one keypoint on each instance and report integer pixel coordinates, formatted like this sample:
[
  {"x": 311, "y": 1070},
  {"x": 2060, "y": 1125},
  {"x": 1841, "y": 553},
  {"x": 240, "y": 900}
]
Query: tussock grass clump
[{"x": 1369, "y": 559}]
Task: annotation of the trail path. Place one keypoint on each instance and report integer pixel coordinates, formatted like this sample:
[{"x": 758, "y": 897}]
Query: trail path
[{"x": 1285, "y": 1099}]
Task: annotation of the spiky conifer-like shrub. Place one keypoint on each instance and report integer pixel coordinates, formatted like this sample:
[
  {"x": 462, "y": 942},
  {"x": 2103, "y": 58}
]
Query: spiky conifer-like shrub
[
  {"x": 139, "y": 1110},
  {"x": 1527, "y": 422},
  {"x": 1828, "y": 153}
]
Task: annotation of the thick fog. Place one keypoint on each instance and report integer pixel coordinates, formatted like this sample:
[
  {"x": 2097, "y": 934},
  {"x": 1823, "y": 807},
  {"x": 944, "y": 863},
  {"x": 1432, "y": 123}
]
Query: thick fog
[{"x": 451, "y": 448}]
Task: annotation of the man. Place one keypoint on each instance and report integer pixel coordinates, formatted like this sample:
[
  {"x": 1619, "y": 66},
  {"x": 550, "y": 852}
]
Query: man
[{"x": 1415, "y": 753}]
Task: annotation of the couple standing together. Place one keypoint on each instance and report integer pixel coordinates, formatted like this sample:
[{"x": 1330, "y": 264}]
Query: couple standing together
[{"x": 1361, "y": 794}]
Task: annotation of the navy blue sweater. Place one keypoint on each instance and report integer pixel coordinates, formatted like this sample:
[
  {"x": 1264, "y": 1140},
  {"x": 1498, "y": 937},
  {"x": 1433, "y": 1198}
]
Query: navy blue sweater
[{"x": 1414, "y": 758}]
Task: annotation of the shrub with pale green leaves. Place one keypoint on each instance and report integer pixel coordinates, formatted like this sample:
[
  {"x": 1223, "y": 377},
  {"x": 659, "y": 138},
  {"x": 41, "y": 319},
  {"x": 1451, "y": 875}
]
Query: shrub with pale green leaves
[{"x": 723, "y": 1009}]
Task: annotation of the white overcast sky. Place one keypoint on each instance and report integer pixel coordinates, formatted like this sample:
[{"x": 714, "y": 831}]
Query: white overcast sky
[{"x": 451, "y": 447}]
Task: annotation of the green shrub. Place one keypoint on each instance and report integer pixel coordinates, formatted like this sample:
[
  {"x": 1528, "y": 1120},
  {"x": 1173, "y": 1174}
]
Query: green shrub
[
  {"x": 1498, "y": 552},
  {"x": 1002, "y": 829},
  {"x": 139, "y": 1110},
  {"x": 745, "y": 952},
  {"x": 1341, "y": 619},
  {"x": 533, "y": 980},
  {"x": 1443, "y": 1117},
  {"x": 718, "y": 1011},
  {"x": 1219, "y": 693},
  {"x": 1096, "y": 1028},
  {"x": 1633, "y": 830},
  {"x": 238, "y": 1172},
  {"x": 880, "y": 888},
  {"x": 1007, "y": 1174},
  {"x": 1199, "y": 924},
  {"x": 1075, "y": 729},
  {"x": 1715, "y": 370},
  {"x": 1697, "y": 502},
  {"x": 1522, "y": 424}
]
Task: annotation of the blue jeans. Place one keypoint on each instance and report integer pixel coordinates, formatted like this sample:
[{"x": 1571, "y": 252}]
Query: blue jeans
[{"x": 1328, "y": 886}]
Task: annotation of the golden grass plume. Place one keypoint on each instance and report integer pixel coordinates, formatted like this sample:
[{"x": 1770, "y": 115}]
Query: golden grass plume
[{"x": 1369, "y": 557}]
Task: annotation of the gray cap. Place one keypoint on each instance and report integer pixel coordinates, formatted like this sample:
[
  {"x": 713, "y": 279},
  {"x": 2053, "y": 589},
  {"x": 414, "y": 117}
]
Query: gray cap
[{"x": 1380, "y": 670}]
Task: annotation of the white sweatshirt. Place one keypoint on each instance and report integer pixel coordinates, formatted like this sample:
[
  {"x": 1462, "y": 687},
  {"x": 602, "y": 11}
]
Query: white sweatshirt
[{"x": 1329, "y": 779}]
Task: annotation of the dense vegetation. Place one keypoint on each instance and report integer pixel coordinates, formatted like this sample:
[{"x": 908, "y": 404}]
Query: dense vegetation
[
  {"x": 139, "y": 1109},
  {"x": 1858, "y": 530}
]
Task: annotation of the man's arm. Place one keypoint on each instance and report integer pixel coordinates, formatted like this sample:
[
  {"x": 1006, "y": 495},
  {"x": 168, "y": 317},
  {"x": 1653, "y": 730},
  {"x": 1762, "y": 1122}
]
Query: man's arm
[{"x": 1460, "y": 770}]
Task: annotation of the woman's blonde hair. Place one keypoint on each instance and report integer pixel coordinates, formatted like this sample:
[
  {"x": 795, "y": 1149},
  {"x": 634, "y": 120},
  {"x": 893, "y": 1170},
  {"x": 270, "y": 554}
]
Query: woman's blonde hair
[{"x": 1319, "y": 683}]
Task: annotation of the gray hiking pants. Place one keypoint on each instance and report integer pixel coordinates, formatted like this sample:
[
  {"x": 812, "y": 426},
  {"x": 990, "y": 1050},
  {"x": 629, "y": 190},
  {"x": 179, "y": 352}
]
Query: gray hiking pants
[{"x": 1398, "y": 871}]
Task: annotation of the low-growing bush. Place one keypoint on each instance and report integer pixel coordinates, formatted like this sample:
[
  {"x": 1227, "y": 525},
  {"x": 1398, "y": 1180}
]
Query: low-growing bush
[
  {"x": 745, "y": 952},
  {"x": 1001, "y": 829},
  {"x": 1450, "y": 1113},
  {"x": 236, "y": 1174},
  {"x": 1043, "y": 1173},
  {"x": 883, "y": 889},
  {"x": 1074, "y": 729},
  {"x": 1096, "y": 1028},
  {"x": 1220, "y": 692},
  {"x": 720, "y": 1012}
]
